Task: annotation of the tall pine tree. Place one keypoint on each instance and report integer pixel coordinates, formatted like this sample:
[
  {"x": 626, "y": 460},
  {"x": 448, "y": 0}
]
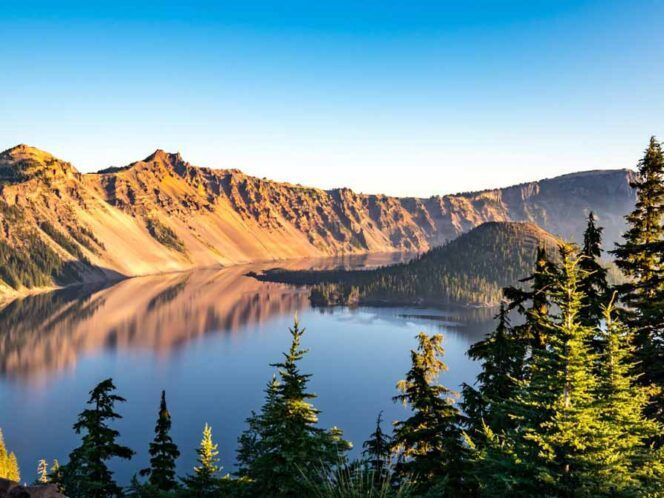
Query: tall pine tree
[
  {"x": 632, "y": 466},
  {"x": 579, "y": 417},
  {"x": 593, "y": 285},
  {"x": 534, "y": 303},
  {"x": 87, "y": 475},
  {"x": 429, "y": 444},
  {"x": 283, "y": 447},
  {"x": 641, "y": 258},
  {"x": 163, "y": 452},
  {"x": 502, "y": 356}
]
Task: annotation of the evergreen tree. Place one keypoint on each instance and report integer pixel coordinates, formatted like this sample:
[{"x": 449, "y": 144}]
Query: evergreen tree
[
  {"x": 377, "y": 451},
  {"x": 568, "y": 438},
  {"x": 632, "y": 466},
  {"x": 283, "y": 447},
  {"x": 55, "y": 474},
  {"x": 502, "y": 357},
  {"x": 87, "y": 475},
  {"x": 163, "y": 452},
  {"x": 641, "y": 258},
  {"x": 593, "y": 285},
  {"x": 429, "y": 444},
  {"x": 42, "y": 472},
  {"x": 205, "y": 481},
  {"x": 534, "y": 304},
  {"x": 8, "y": 463}
]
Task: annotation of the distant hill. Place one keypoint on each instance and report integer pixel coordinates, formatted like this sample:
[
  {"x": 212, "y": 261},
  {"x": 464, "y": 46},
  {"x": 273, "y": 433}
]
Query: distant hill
[
  {"x": 161, "y": 214},
  {"x": 471, "y": 269}
]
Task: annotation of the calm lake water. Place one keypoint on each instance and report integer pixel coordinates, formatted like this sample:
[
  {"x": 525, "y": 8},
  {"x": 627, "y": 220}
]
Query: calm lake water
[{"x": 207, "y": 337}]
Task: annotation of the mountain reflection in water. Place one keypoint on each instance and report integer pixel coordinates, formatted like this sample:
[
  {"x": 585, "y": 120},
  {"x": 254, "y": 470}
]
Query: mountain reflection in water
[{"x": 47, "y": 333}]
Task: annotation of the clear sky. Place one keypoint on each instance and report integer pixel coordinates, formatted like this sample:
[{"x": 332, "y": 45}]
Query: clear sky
[{"x": 402, "y": 97}]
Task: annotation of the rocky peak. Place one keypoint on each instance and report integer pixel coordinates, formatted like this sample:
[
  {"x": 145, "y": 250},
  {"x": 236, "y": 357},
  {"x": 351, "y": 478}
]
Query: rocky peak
[
  {"x": 23, "y": 162},
  {"x": 163, "y": 157}
]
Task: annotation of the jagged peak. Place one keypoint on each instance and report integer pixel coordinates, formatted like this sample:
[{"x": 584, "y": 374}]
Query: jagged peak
[
  {"x": 24, "y": 151},
  {"x": 161, "y": 155},
  {"x": 24, "y": 162}
]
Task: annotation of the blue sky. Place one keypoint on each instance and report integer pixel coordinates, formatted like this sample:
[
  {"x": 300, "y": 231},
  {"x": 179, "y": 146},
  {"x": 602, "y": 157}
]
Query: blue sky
[{"x": 401, "y": 97}]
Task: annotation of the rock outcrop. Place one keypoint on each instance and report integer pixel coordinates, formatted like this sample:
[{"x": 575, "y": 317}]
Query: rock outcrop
[{"x": 10, "y": 489}]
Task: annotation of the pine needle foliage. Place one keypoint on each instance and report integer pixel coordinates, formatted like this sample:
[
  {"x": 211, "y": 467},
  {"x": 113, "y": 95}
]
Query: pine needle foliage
[
  {"x": 429, "y": 444},
  {"x": 284, "y": 441},
  {"x": 87, "y": 475},
  {"x": 8, "y": 463},
  {"x": 205, "y": 482},
  {"x": 641, "y": 258},
  {"x": 163, "y": 452}
]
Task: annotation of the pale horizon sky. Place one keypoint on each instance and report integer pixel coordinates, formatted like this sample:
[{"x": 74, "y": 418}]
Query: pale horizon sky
[{"x": 398, "y": 97}]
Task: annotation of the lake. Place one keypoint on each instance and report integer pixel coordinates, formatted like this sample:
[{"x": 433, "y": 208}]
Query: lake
[{"x": 207, "y": 337}]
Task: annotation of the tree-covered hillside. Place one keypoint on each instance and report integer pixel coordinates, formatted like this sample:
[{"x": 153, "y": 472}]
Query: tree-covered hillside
[{"x": 470, "y": 269}]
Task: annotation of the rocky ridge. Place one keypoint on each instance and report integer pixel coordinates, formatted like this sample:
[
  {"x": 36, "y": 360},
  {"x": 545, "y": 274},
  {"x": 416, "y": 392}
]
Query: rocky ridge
[{"x": 161, "y": 214}]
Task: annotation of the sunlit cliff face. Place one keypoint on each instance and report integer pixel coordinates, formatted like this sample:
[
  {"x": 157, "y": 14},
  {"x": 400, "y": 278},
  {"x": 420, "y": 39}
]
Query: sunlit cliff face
[{"x": 44, "y": 334}]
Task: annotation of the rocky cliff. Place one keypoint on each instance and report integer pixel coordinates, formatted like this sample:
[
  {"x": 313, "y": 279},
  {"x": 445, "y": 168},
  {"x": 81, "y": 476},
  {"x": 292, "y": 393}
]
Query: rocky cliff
[{"x": 58, "y": 226}]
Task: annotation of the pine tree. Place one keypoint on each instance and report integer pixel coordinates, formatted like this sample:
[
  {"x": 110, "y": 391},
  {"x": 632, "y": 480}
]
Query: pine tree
[
  {"x": 558, "y": 439},
  {"x": 593, "y": 285},
  {"x": 8, "y": 463},
  {"x": 537, "y": 325},
  {"x": 42, "y": 472},
  {"x": 641, "y": 258},
  {"x": 205, "y": 481},
  {"x": 377, "y": 451},
  {"x": 429, "y": 444},
  {"x": 163, "y": 452},
  {"x": 13, "y": 472},
  {"x": 55, "y": 474},
  {"x": 283, "y": 447},
  {"x": 502, "y": 356},
  {"x": 632, "y": 466},
  {"x": 87, "y": 475}
]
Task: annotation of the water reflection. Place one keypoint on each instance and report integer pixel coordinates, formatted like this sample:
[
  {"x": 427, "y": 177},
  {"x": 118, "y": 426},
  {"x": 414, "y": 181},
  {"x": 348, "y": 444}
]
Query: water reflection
[
  {"x": 208, "y": 338},
  {"x": 47, "y": 333}
]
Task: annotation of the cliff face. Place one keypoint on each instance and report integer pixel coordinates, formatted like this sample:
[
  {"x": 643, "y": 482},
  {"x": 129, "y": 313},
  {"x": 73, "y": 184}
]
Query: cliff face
[{"x": 163, "y": 214}]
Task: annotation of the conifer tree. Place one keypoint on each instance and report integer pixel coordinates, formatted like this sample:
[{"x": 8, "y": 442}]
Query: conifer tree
[
  {"x": 8, "y": 463},
  {"x": 593, "y": 285},
  {"x": 163, "y": 452},
  {"x": 534, "y": 304},
  {"x": 502, "y": 357},
  {"x": 558, "y": 439},
  {"x": 632, "y": 466},
  {"x": 283, "y": 447},
  {"x": 429, "y": 444},
  {"x": 87, "y": 475},
  {"x": 205, "y": 481},
  {"x": 377, "y": 451},
  {"x": 55, "y": 474},
  {"x": 641, "y": 258},
  {"x": 42, "y": 472}
]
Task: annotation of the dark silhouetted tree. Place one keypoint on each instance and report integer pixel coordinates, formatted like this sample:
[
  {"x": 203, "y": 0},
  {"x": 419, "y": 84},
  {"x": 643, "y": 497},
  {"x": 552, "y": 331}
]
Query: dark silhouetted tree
[
  {"x": 87, "y": 475},
  {"x": 502, "y": 356},
  {"x": 377, "y": 450},
  {"x": 593, "y": 286},
  {"x": 163, "y": 452}
]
